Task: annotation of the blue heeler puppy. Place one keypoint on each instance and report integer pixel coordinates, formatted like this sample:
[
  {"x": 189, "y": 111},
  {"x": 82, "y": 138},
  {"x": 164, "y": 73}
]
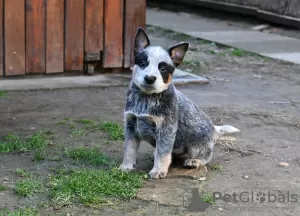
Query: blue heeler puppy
[{"x": 161, "y": 115}]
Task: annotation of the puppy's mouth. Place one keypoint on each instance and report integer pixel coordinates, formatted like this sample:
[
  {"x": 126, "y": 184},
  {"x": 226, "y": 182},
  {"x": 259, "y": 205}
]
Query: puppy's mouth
[{"x": 147, "y": 88}]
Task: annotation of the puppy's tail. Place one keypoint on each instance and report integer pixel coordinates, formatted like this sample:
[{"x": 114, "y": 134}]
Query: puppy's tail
[{"x": 225, "y": 129}]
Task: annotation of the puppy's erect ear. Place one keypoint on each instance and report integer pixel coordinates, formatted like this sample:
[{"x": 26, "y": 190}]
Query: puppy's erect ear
[
  {"x": 177, "y": 53},
  {"x": 141, "y": 41}
]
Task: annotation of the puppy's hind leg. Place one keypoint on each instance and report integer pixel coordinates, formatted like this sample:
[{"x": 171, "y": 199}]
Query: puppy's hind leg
[{"x": 198, "y": 155}]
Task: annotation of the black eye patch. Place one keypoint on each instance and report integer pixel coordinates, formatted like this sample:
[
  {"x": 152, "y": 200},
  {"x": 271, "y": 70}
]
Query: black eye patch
[
  {"x": 141, "y": 59},
  {"x": 165, "y": 70}
]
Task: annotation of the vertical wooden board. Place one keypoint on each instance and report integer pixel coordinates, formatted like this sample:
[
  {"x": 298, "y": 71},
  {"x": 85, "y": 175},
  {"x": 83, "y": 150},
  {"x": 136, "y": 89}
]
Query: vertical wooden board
[
  {"x": 35, "y": 36},
  {"x": 1, "y": 38},
  {"x": 74, "y": 35},
  {"x": 55, "y": 36},
  {"x": 14, "y": 23},
  {"x": 135, "y": 15},
  {"x": 113, "y": 30},
  {"x": 93, "y": 29}
]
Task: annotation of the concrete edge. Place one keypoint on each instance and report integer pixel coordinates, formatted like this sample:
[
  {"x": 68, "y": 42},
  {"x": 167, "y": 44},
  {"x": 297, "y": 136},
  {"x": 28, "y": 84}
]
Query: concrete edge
[
  {"x": 240, "y": 9},
  {"x": 79, "y": 82}
]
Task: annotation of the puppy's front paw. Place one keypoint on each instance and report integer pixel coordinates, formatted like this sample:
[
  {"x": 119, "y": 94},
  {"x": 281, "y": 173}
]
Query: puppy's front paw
[
  {"x": 126, "y": 167},
  {"x": 192, "y": 163},
  {"x": 154, "y": 174}
]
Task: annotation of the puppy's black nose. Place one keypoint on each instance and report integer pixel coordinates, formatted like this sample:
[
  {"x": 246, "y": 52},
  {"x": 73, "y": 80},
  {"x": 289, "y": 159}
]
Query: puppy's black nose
[{"x": 150, "y": 79}]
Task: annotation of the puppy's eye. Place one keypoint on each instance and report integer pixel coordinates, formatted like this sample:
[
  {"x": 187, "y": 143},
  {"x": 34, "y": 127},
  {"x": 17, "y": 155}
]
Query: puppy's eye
[
  {"x": 163, "y": 68},
  {"x": 143, "y": 64}
]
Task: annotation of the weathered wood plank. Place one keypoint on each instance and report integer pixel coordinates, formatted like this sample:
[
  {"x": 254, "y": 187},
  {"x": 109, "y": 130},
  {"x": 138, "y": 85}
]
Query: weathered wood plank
[
  {"x": 93, "y": 29},
  {"x": 14, "y": 23},
  {"x": 135, "y": 17},
  {"x": 113, "y": 30},
  {"x": 74, "y": 38},
  {"x": 55, "y": 36},
  {"x": 35, "y": 36},
  {"x": 1, "y": 39}
]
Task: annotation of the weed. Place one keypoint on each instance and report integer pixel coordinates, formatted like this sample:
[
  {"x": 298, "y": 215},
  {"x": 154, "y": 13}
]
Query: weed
[
  {"x": 39, "y": 156},
  {"x": 216, "y": 167},
  {"x": 3, "y": 93},
  {"x": 77, "y": 132},
  {"x": 93, "y": 187},
  {"x": 27, "y": 187},
  {"x": 62, "y": 122},
  {"x": 203, "y": 42},
  {"x": 208, "y": 197},
  {"x": 18, "y": 212},
  {"x": 86, "y": 122},
  {"x": 2, "y": 187},
  {"x": 23, "y": 173},
  {"x": 238, "y": 52},
  {"x": 114, "y": 130},
  {"x": 92, "y": 156},
  {"x": 13, "y": 143}
]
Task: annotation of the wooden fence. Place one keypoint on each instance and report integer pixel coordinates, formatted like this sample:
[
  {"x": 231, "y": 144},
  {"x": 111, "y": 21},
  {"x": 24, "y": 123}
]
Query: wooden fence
[{"x": 55, "y": 36}]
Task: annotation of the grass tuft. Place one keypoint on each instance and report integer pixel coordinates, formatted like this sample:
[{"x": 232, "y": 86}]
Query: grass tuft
[
  {"x": 87, "y": 122},
  {"x": 115, "y": 131},
  {"x": 3, "y": 93},
  {"x": 22, "y": 172},
  {"x": 92, "y": 156},
  {"x": 208, "y": 197},
  {"x": 27, "y": 187},
  {"x": 216, "y": 167},
  {"x": 2, "y": 187},
  {"x": 19, "y": 212},
  {"x": 93, "y": 187},
  {"x": 238, "y": 52},
  {"x": 77, "y": 132},
  {"x": 12, "y": 142}
]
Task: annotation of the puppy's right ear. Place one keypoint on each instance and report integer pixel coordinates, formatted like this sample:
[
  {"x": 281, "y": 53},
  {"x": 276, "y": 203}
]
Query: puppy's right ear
[{"x": 141, "y": 41}]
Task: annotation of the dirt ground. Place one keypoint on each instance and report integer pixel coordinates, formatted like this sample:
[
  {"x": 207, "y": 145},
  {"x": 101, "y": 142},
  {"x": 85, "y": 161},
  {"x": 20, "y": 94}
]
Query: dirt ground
[{"x": 259, "y": 96}]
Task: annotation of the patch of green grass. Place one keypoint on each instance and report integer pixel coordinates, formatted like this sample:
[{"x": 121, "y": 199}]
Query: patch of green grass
[
  {"x": 238, "y": 52},
  {"x": 22, "y": 172},
  {"x": 92, "y": 156},
  {"x": 27, "y": 187},
  {"x": 202, "y": 42},
  {"x": 208, "y": 197},
  {"x": 216, "y": 167},
  {"x": 19, "y": 212},
  {"x": 39, "y": 156},
  {"x": 3, "y": 93},
  {"x": 114, "y": 130},
  {"x": 14, "y": 143},
  {"x": 93, "y": 187},
  {"x": 62, "y": 122},
  {"x": 78, "y": 132},
  {"x": 2, "y": 187},
  {"x": 86, "y": 121}
]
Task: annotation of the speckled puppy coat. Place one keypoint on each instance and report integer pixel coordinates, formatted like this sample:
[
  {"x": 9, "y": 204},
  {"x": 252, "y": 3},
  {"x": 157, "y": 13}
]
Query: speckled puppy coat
[{"x": 158, "y": 113}]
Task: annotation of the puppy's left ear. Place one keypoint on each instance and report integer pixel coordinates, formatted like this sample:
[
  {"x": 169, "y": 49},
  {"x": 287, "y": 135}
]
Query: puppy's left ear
[{"x": 178, "y": 52}]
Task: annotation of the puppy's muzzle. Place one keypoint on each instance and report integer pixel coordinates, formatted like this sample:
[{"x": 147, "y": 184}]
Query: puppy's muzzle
[{"x": 149, "y": 80}]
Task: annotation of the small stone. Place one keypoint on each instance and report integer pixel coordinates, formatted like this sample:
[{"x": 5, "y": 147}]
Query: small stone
[
  {"x": 202, "y": 179},
  {"x": 283, "y": 164},
  {"x": 256, "y": 76},
  {"x": 221, "y": 209},
  {"x": 246, "y": 177},
  {"x": 260, "y": 27},
  {"x": 6, "y": 179}
]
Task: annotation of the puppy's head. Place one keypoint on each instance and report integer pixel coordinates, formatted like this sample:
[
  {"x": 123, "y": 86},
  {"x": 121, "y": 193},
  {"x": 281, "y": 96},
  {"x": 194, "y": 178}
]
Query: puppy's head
[{"x": 154, "y": 66}]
